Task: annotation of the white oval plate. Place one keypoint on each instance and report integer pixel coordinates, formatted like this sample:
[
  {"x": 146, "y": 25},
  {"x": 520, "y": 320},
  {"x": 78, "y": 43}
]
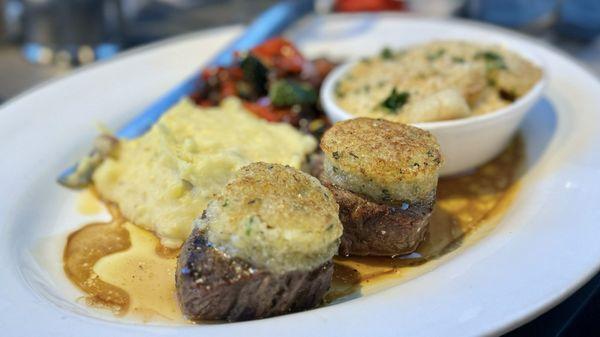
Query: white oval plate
[{"x": 545, "y": 247}]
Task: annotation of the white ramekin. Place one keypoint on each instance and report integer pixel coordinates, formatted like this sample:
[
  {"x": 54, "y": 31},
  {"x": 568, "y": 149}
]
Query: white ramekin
[{"x": 467, "y": 142}]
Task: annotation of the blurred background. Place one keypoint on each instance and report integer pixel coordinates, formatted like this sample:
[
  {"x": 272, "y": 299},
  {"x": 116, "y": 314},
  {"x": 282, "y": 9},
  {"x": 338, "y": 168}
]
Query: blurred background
[
  {"x": 41, "y": 39},
  {"x": 44, "y": 39}
]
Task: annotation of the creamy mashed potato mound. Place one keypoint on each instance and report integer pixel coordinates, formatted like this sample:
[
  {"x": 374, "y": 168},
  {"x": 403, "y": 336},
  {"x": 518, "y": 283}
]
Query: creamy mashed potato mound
[{"x": 164, "y": 179}]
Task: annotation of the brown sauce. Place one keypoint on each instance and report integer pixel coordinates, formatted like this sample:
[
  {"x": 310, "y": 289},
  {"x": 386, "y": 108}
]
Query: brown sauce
[
  {"x": 125, "y": 269},
  {"x": 88, "y": 245}
]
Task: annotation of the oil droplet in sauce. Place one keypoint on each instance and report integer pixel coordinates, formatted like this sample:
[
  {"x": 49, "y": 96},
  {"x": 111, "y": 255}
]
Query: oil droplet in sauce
[{"x": 124, "y": 268}]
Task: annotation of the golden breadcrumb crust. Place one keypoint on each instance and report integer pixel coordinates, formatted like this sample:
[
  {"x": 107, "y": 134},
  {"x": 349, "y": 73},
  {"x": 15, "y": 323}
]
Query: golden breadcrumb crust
[
  {"x": 274, "y": 216},
  {"x": 385, "y": 160}
]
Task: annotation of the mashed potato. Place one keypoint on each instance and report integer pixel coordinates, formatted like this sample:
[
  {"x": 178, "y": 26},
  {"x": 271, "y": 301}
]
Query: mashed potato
[
  {"x": 164, "y": 179},
  {"x": 436, "y": 81}
]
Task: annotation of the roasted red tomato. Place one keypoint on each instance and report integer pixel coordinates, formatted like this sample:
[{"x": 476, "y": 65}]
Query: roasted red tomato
[
  {"x": 369, "y": 5},
  {"x": 280, "y": 54}
]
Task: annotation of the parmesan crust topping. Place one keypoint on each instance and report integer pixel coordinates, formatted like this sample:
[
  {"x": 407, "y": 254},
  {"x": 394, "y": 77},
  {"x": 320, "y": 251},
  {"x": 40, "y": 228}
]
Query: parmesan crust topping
[
  {"x": 276, "y": 217},
  {"x": 387, "y": 161}
]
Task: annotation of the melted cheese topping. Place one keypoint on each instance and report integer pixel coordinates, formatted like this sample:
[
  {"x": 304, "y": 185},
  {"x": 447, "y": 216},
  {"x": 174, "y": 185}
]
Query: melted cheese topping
[{"x": 164, "y": 179}]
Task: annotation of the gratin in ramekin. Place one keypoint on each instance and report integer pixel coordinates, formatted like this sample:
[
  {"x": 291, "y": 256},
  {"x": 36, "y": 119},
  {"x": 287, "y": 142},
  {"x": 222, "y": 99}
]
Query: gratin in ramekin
[{"x": 466, "y": 142}]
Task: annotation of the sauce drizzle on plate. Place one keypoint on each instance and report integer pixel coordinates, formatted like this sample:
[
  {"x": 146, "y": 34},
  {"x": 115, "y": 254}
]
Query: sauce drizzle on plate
[{"x": 88, "y": 245}]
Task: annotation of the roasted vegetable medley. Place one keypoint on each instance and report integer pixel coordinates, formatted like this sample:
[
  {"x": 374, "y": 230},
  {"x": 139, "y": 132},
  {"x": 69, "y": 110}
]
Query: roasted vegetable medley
[{"x": 275, "y": 81}]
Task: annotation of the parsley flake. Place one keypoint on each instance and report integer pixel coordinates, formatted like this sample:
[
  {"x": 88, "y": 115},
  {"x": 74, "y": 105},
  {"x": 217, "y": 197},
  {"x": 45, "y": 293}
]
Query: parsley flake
[
  {"x": 386, "y": 53},
  {"x": 395, "y": 101},
  {"x": 492, "y": 60}
]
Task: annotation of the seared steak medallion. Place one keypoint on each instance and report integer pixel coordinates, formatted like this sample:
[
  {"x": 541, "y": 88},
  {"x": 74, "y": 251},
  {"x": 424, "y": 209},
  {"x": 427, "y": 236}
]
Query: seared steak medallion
[
  {"x": 377, "y": 229},
  {"x": 212, "y": 285},
  {"x": 384, "y": 177},
  {"x": 263, "y": 247}
]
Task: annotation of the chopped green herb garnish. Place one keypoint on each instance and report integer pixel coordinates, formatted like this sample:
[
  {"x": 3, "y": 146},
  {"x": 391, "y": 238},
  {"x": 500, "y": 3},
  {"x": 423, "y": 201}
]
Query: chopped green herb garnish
[
  {"x": 492, "y": 60},
  {"x": 436, "y": 55},
  {"x": 249, "y": 225},
  {"x": 386, "y": 53},
  {"x": 488, "y": 56},
  {"x": 458, "y": 59},
  {"x": 395, "y": 101},
  {"x": 336, "y": 155},
  {"x": 225, "y": 203}
]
